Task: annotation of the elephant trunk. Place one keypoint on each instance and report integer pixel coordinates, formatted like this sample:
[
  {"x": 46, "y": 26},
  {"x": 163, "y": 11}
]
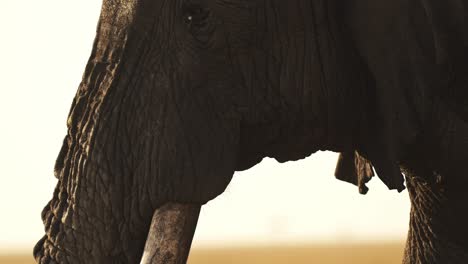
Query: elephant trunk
[{"x": 138, "y": 137}]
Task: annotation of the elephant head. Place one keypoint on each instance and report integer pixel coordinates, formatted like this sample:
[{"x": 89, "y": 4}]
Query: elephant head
[{"x": 179, "y": 94}]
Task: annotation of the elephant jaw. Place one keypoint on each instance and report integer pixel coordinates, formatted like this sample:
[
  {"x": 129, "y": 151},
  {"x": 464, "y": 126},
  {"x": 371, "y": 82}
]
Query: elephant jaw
[{"x": 171, "y": 233}]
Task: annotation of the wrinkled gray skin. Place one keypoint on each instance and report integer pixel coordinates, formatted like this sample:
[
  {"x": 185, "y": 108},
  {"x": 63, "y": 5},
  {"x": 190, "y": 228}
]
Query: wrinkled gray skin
[{"x": 179, "y": 94}]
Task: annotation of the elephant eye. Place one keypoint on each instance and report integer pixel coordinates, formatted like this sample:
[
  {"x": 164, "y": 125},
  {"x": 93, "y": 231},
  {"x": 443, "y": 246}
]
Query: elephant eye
[{"x": 196, "y": 16}]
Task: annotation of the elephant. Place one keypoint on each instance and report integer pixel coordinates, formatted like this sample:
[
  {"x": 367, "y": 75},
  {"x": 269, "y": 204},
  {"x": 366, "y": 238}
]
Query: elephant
[{"x": 177, "y": 95}]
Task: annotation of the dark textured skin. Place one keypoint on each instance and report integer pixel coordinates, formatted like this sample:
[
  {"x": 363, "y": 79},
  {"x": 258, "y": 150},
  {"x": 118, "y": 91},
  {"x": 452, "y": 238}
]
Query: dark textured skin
[
  {"x": 417, "y": 51},
  {"x": 179, "y": 94}
]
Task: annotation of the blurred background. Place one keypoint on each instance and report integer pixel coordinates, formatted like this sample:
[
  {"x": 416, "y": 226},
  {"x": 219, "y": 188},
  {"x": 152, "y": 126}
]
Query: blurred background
[{"x": 273, "y": 213}]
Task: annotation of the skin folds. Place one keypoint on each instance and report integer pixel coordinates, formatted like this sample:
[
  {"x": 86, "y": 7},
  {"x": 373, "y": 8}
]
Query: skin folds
[{"x": 179, "y": 94}]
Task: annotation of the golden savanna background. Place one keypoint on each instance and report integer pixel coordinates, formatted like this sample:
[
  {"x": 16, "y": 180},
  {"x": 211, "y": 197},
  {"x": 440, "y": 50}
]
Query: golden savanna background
[
  {"x": 389, "y": 253},
  {"x": 273, "y": 213}
]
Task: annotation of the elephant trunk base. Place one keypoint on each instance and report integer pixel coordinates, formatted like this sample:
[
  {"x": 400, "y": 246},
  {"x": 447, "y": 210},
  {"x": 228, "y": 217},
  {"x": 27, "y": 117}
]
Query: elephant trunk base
[
  {"x": 171, "y": 233},
  {"x": 438, "y": 222}
]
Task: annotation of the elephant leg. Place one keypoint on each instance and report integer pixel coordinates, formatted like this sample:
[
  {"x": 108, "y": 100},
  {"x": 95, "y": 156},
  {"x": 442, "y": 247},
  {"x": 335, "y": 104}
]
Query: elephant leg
[
  {"x": 438, "y": 223},
  {"x": 437, "y": 179},
  {"x": 171, "y": 233}
]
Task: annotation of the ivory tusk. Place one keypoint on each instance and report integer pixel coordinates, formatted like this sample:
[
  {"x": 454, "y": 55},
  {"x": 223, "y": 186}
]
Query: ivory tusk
[{"x": 171, "y": 233}]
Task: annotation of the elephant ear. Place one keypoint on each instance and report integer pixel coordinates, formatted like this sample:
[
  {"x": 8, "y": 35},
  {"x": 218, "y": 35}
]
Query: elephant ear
[
  {"x": 358, "y": 170},
  {"x": 355, "y": 169},
  {"x": 448, "y": 22}
]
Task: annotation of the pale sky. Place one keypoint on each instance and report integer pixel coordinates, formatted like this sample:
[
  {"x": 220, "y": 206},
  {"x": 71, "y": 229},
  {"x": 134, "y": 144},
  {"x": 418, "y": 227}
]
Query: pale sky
[{"x": 43, "y": 51}]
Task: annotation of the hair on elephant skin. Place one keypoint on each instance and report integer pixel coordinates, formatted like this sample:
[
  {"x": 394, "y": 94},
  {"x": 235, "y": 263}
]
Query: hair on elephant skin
[{"x": 177, "y": 95}]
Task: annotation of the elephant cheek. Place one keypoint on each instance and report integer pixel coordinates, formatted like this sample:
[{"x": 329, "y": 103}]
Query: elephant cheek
[{"x": 194, "y": 155}]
